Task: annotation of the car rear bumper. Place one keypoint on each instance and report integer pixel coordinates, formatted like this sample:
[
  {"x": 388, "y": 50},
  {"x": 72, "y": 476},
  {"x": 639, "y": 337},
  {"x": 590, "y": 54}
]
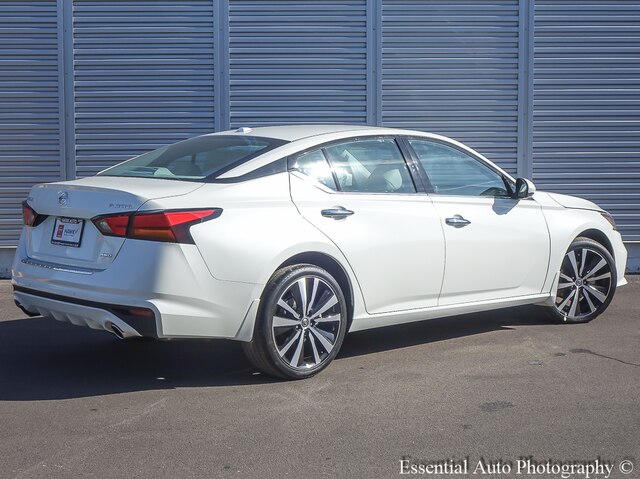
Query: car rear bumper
[
  {"x": 171, "y": 281},
  {"x": 92, "y": 315}
]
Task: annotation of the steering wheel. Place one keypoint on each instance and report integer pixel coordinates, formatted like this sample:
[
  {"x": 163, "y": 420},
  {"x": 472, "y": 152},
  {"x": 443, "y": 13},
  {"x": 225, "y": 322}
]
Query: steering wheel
[{"x": 494, "y": 191}]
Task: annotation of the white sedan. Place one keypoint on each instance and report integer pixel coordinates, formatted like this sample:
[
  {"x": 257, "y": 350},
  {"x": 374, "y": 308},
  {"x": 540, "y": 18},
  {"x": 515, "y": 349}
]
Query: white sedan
[{"x": 286, "y": 238}]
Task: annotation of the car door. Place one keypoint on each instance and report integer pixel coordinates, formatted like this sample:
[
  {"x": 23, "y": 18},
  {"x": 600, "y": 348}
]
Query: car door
[
  {"x": 496, "y": 246},
  {"x": 361, "y": 195}
]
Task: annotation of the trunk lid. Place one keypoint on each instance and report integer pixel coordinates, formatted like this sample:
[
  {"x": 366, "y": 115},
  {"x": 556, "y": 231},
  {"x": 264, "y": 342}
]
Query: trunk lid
[{"x": 69, "y": 207}]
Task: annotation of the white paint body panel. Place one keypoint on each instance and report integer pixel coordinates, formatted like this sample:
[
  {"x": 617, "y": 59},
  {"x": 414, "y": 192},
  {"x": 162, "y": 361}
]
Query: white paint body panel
[
  {"x": 502, "y": 253},
  {"x": 402, "y": 262},
  {"x": 394, "y": 243}
]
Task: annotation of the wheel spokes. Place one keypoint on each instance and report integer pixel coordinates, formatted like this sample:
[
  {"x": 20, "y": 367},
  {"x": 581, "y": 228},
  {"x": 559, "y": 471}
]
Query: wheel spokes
[
  {"x": 587, "y": 297},
  {"x": 572, "y": 259},
  {"x": 574, "y": 304},
  {"x": 302, "y": 290},
  {"x": 329, "y": 303},
  {"x": 602, "y": 276},
  {"x": 583, "y": 260},
  {"x": 567, "y": 299},
  {"x": 328, "y": 319},
  {"x": 288, "y": 308},
  {"x": 599, "y": 296},
  {"x": 287, "y": 346},
  {"x": 314, "y": 291},
  {"x": 583, "y": 287},
  {"x": 295, "y": 360},
  {"x": 566, "y": 277},
  {"x": 314, "y": 349},
  {"x": 598, "y": 267},
  {"x": 306, "y": 322},
  {"x": 280, "y": 322},
  {"x": 324, "y": 341}
]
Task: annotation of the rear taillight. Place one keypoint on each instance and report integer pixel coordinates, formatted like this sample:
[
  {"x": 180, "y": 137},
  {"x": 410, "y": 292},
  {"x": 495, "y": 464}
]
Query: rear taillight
[
  {"x": 113, "y": 225},
  {"x": 169, "y": 226},
  {"x": 29, "y": 215}
]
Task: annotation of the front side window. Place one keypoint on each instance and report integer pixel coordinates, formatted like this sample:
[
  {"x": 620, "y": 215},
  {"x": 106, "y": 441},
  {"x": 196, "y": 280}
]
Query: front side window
[
  {"x": 453, "y": 172},
  {"x": 195, "y": 159},
  {"x": 370, "y": 166}
]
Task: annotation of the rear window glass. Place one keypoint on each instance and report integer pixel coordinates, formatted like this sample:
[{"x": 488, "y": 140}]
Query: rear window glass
[{"x": 200, "y": 158}]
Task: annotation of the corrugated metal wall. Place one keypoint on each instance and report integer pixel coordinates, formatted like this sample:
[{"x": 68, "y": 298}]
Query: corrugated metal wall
[
  {"x": 143, "y": 75},
  {"x": 451, "y": 67},
  {"x": 587, "y": 104},
  {"x": 87, "y": 83},
  {"x": 297, "y": 61},
  {"x": 31, "y": 145}
]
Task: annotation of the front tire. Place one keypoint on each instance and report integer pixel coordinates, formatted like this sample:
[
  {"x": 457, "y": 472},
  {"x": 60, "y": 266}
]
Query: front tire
[
  {"x": 301, "y": 323},
  {"x": 587, "y": 283}
]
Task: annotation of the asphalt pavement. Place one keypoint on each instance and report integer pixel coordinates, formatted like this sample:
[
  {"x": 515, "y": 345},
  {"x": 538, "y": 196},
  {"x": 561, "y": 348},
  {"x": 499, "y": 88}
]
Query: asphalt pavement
[{"x": 497, "y": 386}]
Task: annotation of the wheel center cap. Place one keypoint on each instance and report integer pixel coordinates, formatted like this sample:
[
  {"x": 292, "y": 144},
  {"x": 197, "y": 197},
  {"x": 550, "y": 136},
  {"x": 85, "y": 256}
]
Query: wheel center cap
[
  {"x": 578, "y": 282},
  {"x": 304, "y": 322}
]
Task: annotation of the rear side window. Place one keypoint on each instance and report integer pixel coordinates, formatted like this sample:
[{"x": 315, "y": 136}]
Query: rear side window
[
  {"x": 200, "y": 158},
  {"x": 314, "y": 164},
  {"x": 370, "y": 166}
]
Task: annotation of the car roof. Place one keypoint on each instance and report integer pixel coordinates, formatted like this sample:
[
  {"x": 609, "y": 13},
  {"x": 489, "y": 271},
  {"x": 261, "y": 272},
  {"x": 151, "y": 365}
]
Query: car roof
[
  {"x": 299, "y": 132},
  {"x": 299, "y": 137}
]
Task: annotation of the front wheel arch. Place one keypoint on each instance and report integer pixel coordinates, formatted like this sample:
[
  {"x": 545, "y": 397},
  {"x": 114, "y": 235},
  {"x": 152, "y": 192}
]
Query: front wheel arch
[{"x": 599, "y": 237}]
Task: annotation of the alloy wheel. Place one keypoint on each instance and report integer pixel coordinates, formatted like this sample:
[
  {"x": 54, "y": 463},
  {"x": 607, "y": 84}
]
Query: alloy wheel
[
  {"x": 585, "y": 284},
  {"x": 306, "y": 322}
]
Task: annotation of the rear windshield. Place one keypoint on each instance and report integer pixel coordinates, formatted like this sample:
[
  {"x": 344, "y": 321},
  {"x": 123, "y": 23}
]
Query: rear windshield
[{"x": 197, "y": 159}]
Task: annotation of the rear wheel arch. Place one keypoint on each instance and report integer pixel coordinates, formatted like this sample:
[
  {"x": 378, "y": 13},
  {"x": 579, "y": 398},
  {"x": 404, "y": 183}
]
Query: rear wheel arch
[{"x": 333, "y": 267}]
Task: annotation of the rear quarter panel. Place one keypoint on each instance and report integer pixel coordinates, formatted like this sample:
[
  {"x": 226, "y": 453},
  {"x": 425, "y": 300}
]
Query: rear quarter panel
[{"x": 258, "y": 230}]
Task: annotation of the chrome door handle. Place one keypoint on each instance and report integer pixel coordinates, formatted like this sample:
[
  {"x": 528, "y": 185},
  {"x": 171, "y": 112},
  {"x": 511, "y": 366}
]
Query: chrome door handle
[
  {"x": 457, "y": 221},
  {"x": 336, "y": 213}
]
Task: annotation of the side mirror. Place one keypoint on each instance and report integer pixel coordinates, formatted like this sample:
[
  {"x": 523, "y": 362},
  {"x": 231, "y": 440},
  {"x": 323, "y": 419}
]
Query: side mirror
[{"x": 524, "y": 188}]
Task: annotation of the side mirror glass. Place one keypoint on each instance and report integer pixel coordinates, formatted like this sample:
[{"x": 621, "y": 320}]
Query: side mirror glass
[{"x": 524, "y": 188}]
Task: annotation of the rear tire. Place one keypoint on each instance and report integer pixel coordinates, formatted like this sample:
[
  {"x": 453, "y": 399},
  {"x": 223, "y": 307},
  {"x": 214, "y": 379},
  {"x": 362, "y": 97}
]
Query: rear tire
[
  {"x": 301, "y": 323},
  {"x": 586, "y": 285}
]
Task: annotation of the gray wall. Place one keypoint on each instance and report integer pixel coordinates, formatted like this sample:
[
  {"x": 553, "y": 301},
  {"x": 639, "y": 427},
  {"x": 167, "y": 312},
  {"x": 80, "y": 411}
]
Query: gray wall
[{"x": 548, "y": 89}]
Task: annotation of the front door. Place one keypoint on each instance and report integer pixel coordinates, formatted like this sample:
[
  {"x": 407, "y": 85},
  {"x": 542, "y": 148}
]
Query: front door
[{"x": 496, "y": 246}]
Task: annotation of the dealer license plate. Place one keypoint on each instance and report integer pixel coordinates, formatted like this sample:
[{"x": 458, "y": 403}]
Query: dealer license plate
[{"x": 67, "y": 232}]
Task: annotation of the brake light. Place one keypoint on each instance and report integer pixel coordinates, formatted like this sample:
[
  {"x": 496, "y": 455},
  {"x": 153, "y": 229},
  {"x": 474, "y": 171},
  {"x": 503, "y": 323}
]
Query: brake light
[
  {"x": 29, "y": 215},
  {"x": 168, "y": 226}
]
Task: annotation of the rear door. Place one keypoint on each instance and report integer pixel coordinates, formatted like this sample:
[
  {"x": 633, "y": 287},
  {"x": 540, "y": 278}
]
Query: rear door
[
  {"x": 361, "y": 195},
  {"x": 497, "y": 247}
]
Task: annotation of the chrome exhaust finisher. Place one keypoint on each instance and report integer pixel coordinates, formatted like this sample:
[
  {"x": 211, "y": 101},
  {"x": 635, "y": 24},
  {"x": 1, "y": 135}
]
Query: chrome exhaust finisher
[{"x": 117, "y": 332}]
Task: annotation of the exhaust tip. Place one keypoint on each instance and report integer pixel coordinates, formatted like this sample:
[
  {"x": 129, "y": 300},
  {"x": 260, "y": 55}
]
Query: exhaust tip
[{"x": 116, "y": 331}]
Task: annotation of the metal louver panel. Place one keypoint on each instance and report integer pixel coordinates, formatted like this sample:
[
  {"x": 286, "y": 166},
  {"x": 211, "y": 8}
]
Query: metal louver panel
[
  {"x": 587, "y": 105},
  {"x": 31, "y": 148},
  {"x": 144, "y": 77},
  {"x": 451, "y": 67},
  {"x": 295, "y": 61}
]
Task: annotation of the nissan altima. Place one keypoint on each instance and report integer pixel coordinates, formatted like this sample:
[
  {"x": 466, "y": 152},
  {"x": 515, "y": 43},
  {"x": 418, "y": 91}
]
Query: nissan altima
[{"x": 286, "y": 238}]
